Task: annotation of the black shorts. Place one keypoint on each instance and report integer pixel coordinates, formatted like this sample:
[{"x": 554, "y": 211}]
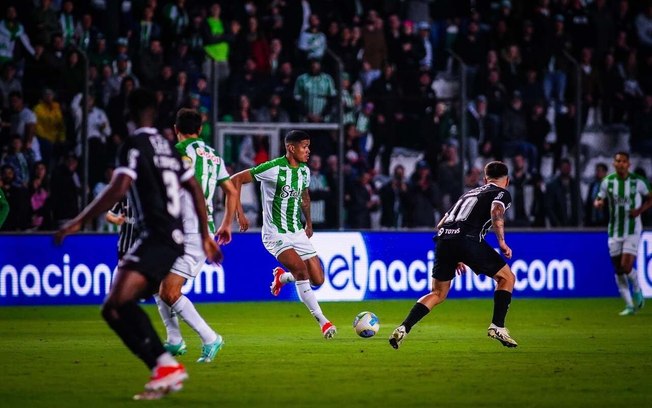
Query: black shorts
[
  {"x": 151, "y": 257},
  {"x": 478, "y": 255}
]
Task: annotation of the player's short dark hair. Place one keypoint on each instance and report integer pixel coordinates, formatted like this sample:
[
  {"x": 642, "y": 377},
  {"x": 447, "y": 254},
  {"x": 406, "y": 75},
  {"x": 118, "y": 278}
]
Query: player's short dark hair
[
  {"x": 622, "y": 153},
  {"x": 296, "y": 136},
  {"x": 141, "y": 100},
  {"x": 495, "y": 170},
  {"x": 602, "y": 167},
  {"x": 188, "y": 121}
]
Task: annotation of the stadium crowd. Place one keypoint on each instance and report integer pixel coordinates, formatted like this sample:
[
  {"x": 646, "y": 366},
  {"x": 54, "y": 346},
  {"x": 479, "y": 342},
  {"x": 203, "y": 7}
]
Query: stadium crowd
[{"x": 274, "y": 66}]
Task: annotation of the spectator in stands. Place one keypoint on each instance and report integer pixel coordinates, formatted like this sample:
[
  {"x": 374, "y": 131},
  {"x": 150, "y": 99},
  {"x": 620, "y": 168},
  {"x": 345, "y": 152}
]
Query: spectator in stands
[
  {"x": 55, "y": 59},
  {"x": 73, "y": 76},
  {"x": 602, "y": 25},
  {"x": 472, "y": 179},
  {"x": 497, "y": 100},
  {"x": 515, "y": 133},
  {"x": 361, "y": 200},
  {"x": 538, "y": 128},
  {"x": 10, "y": 31},
  {"x": 611, "y": 80},
  {"x": 23, "y": 122},
  {"x": 386, "y": 94},
  {"x": 66, "y": 190},
  {"x": 422, "y": 198},
  {"x": 258, "y": 46},
  {"x": 531, "y": 89},
  {"x": 150, "y": 62},
  {"x": 315, "y": 92},
  {"x": 45, "y": 21},
  {"x": 86, "y": 33},
  {"x": 519, "y": 181},
  {"x": 146, "y": 30},
  {"x": 393, "y": 199},
  {"x": 99, "y": 129},
  {"x": 18, "y": 161},
  {"x": 556, "y": 63},
  {"x": 273, "y": 112},
  {"x": 320, "y": 193},
  {"x": 50, "y": 127},
  {"x": 373, "y": 40},
  {"x": 349, "y": 50},
  {"x": 175, "y": 20},
  {"x": 35, "y": 75},
  {"x": 562, "y": 198},
  {"x": 438, "y": 128},
  {"x": 117, "y": 110},
  {"x": 449, "y": 175},
  {"x": 248, "y": 83},
  {"x": 596, "y": 217},
  {"x": 215, "y": 36},
  {"x": 312, "y": 41},
  {"x": 67, "y": 22},
  {"x": 8, "y": 83},
  {"x": 641, "y": 136},
  {"x": 39, "y": 193},
  {"x": 511, "y": 67},
  {"x": 591, "y": 87},
  {"x": 477, "y": 131},
  {"x": 17, "y": 197}
]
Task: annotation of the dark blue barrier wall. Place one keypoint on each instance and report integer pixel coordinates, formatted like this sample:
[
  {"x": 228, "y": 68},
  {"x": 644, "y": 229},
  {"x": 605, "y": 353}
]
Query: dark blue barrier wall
[{"x": 374, "y": 265}]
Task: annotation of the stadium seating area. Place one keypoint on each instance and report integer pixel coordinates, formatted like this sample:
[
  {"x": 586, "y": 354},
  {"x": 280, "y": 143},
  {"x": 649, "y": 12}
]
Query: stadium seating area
[{"x": 402, "y": 109}]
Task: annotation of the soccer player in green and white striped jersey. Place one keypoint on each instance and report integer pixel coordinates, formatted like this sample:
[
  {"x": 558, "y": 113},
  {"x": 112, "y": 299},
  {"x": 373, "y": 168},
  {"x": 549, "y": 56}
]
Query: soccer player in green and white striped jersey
[
  {"x": 629, "y": 195},
  {"x": 284, "y": 186},
  {"x": 209, "y": 172}
]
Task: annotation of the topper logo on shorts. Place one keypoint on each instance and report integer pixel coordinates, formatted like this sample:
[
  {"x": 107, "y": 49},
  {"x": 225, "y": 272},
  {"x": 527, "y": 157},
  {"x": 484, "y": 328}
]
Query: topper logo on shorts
[{"x": 345, "y": 262}]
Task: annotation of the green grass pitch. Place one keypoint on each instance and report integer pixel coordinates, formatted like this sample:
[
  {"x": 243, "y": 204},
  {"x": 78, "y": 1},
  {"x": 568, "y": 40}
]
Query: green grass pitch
[{"x": 572, "y": 353}]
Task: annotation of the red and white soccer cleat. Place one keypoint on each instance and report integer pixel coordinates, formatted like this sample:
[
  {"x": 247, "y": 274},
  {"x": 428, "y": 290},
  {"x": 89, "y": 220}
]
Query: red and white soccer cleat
[
  {"x": 276, "y": 283},
  {"x": 168, "y": 378}
]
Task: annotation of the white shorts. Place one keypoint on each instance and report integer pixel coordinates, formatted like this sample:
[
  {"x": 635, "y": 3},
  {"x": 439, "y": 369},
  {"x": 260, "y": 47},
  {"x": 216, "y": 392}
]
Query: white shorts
[
  {"x": 626, "y": 245},
  {"x": 190, "y": 263},
  {"x": 299, "y": 241}
]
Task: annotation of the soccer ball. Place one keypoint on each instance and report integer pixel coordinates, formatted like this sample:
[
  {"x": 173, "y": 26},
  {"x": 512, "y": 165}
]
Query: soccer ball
[{"x": 366, "y": 324}]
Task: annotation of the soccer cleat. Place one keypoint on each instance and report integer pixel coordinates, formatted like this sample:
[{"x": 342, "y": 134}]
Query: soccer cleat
[
  {"x": 176, "y": 349},
  {"x": 209, "y": 351},
  {"x": 502, "y": 335},
  {"x": 276, "y": 283},
  {"x": 397, "y": 337},
  {"x": 628, "y": 311},
  {"x": 328, "y": 330},
  {"x": 639, "y": 300},
  {"x": 167, "y": 379}
]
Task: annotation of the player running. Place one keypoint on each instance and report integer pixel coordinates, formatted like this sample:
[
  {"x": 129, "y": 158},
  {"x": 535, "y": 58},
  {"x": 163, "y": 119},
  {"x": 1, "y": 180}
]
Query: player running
[
  {"x": 284, "y": 195},
  {"x": 460, "y": 241},
  {"x": 153, "y": 173},
  {"x": 209, "y": 172},
  {"x": 626, "y": 193}
]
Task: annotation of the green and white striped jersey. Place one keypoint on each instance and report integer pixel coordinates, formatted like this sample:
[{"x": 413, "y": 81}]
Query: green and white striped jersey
[
  {"x": 624, "y": 195},
  {"x": 281, "y": 186},
  {"x": 209, "y": 172}
]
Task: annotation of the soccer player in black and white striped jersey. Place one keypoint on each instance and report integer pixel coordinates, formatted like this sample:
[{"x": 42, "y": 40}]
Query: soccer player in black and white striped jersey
[{"x": 122, "y": 214}]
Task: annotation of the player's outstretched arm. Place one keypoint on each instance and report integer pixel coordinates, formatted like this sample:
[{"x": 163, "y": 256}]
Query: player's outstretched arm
[
  {"x": 238, "y": 180},
  {"x": 211, "y": 249},
  {"x": 107, "y": 198},
  {"x": 231, "y": 202},
  {"x": 305, "y": 209},
  {"x": 498, "y": 225}
]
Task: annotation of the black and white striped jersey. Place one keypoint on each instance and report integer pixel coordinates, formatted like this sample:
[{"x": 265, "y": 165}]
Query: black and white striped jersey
[
  {"x": 128, "y": 231},
  {"x": 157, "y": 171}
]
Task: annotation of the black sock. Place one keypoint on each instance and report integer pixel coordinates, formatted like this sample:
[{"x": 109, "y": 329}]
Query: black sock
[
  {"x": 135, "y": 329},
  {"x": 418, "y": 311},
  {"x": 502, "y": 299}
]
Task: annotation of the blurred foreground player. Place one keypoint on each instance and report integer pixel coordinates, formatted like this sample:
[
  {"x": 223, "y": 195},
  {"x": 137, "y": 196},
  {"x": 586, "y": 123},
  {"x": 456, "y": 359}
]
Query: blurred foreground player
[{"x": 152, "y": 171}]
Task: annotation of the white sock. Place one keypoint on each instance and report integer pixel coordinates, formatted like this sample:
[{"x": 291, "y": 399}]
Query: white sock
[
  {"x": 165, "y": 360},
  {"x": 186, "y": 310},
  {"x": 308, "y": 298},
  {"x": 287, "y": 277},
  {"x": 169, "y": 320},
  {"x": 623, "y": 288},
  {"x": 632, "y": 277}
]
